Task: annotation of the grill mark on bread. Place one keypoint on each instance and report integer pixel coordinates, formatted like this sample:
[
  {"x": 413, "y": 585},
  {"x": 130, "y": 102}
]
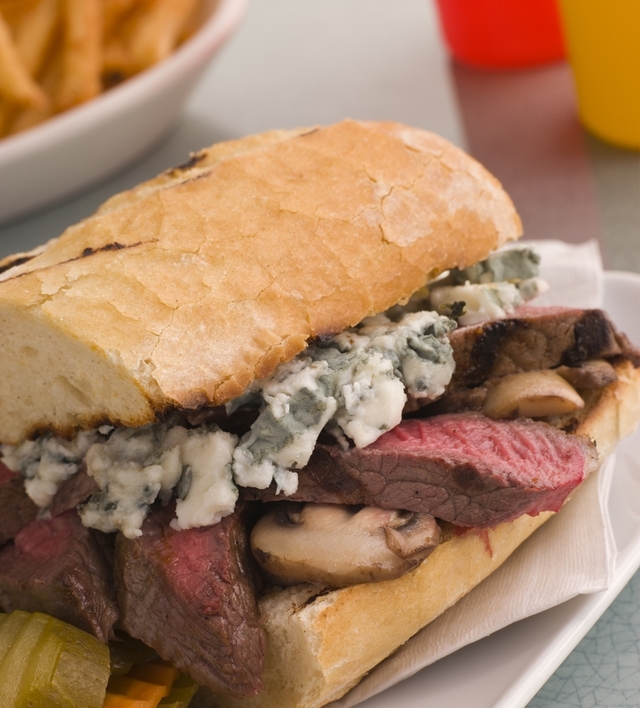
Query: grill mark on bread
[
  {"x": 86, "y": 252},
  {"x": 68, "y": 432},
  {"x": 195, "y": 178},
  {"x": 193, "y": 160},
  {"x": 115, "y": 246},
  {"x": 15, "y": 262}
]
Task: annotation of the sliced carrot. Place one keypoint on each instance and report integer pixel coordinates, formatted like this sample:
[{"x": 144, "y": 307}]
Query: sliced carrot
[
  {"x": 159, "y": 672},
  {"x": 113, "y": 701},
  {"x": 147, "y": 684},
  {"x": 150, "y": 693},
  {"x": 182, "y": 691}
]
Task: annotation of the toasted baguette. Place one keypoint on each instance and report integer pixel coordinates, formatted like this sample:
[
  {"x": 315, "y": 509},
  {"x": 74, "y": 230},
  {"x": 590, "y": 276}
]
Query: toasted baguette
[
  {"x": 320, "y": 644},
  {"x": 182, "y": 291}
]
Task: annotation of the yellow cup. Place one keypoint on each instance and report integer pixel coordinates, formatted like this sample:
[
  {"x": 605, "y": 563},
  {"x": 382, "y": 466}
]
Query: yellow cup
[{"x": 603, "y": 42}]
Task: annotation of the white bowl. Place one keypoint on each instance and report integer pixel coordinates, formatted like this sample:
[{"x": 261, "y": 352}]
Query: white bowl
[{"x": 74, "y": 149}]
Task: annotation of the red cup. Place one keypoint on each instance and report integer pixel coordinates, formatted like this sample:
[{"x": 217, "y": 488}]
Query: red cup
[{"x": 502, "y": 34}]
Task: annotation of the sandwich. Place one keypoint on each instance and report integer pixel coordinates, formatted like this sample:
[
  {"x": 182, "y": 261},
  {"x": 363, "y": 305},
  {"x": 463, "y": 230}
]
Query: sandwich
[{"x": 278, "y": 408}]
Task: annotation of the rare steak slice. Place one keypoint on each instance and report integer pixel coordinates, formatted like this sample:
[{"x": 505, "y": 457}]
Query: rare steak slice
[
  {"x": 534, "y": 338},
  {"x": 16, "y": 508},
  {"x": 60, "y": 567},
  {"x": 189, "y": 595},
  {"x": 73, "y": 491},
  {"x": 464, "y": 468},
  {"x": 6, "y": 474}
]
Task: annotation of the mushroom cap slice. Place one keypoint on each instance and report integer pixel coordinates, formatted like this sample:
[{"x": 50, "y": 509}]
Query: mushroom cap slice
[
  {"x": 340, "y": 545},
  {"x": 532, "y": 394}
]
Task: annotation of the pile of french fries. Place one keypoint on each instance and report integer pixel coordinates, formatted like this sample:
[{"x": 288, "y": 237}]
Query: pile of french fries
[{"x": 56, "y": 54}]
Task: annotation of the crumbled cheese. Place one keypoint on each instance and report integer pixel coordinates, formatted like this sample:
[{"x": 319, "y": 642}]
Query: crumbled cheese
[
  {"x": 137, "y": 465},
  {"x": 212, "y": 493},
  {"x": 509, "y": 265},
  {"x": 286, "y": 481},
  {"x": 358, "y": 380},
  {"x": 487, "y": 301},
  {"x": 491, "y": 289},
  {"x": 419, "y": 347},
  {"x": 372, "y": 401},
  {"x": 296, "y": 408},
  {"x": 47, "y": 462}
]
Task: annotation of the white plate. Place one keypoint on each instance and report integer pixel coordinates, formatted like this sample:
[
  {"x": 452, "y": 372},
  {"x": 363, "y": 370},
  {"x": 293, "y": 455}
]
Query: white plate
[
  {"x": 71, "y": 151},
  {"x": 507, "y": 669}
]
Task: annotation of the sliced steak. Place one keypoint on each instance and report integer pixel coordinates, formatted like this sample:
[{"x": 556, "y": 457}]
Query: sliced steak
[
  {"x": 16, "y": 508},
  {"x": 464, "y": 468},
  {"x": 6, "y": 475},
  {"x": 60, "y": 567},
  {"x": 594, "y": 373},
  {"x": 536, "y": 338},
  {"x": 189, "y": 595},
  {"x": 73, "y": 491}
]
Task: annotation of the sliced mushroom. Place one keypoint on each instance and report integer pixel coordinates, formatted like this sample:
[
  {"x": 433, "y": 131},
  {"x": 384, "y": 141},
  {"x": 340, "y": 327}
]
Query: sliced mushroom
[
  {"x": 533, "y": 394},
  {"x": 339, "y": 545}
]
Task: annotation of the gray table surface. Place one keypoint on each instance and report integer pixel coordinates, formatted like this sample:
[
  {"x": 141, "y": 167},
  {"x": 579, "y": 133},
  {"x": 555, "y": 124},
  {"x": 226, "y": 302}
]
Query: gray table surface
[{"x": 304, "y": 63}]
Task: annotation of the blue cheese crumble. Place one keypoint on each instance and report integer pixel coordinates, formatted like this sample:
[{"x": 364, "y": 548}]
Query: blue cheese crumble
[
  {"x": 135, "y": 466},
  {"x": 45, "y": 463},
  {"x": 491, "y": 289},
  {"x": 487, "y": 301},
  {"x": 358, "y": 381}
]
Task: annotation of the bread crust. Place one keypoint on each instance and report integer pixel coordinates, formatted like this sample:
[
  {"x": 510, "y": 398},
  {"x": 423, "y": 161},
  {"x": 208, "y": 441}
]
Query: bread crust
[
  {"x": 320, "y": 644},
  {"x": 616, "y": 413},
  {"x": 182, "y": 291}
]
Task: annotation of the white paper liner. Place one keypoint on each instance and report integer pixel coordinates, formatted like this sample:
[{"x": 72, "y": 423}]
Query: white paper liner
[
  {"x": 574, "y": 272},
  {"x": 572, "y": 554}
]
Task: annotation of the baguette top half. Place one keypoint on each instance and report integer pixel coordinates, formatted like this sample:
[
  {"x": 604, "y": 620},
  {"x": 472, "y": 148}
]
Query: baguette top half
[{"x": 182, "y": 291}]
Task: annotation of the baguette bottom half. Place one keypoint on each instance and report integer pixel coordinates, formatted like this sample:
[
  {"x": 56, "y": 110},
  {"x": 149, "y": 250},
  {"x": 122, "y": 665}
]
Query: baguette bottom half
[{"x": 321, "y": 643}]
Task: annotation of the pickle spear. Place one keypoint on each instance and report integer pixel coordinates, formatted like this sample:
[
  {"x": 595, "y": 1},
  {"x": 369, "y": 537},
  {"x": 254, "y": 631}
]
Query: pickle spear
[{"x": 46, "y": 663}]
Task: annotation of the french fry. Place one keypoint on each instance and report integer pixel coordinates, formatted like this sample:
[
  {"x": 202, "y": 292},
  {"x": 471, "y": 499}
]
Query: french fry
[
  {"x": 34, "y": 33},
  {"x": 117, "y": 59},
  {"x": 15, "y": 82},
  {"x": 197, "y": 18},
  {"x": 159, "y": 31},
  {"x": 13, "y": 10},
  {"x": 7, "y": 114},
  {"x": 82, "y": 52},
  {"x": 55, "y": 54},
  {"x": 23, "y": 118},
  {"x": 114, "y": 11},
  {"x": 50, "y": 82}
]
